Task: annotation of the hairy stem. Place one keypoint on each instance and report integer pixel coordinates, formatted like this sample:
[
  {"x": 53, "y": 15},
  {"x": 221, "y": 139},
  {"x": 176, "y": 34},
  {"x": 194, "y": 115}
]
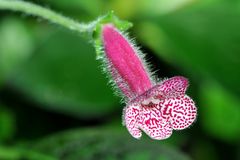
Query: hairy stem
[{"x": 35, "y": 10}]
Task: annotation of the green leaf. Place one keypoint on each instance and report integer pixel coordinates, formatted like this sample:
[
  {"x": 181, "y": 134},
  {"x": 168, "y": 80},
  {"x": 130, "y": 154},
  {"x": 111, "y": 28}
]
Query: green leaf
[
  {"x": 219, "y": 112},
  {"x": 104, "y": 143},
  {"x": 16, "y": 45},
  {"x": 63, "y": 75},
  {"x": 13, "y": 153},
  {"x": 202, "y": 40},
  {"x": 7, "y": 124},
  {"x": 90, "y": 7}
]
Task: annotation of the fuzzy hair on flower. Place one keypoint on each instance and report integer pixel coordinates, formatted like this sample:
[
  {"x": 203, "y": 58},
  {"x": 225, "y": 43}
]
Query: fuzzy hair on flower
[{"x": 156, "y": 108}]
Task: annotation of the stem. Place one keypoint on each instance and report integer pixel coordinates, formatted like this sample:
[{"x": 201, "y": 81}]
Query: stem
[{"x": 35, "y": 10}]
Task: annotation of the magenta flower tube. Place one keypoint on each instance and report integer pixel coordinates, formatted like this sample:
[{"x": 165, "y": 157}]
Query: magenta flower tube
[{"x": 125, "y": 65}]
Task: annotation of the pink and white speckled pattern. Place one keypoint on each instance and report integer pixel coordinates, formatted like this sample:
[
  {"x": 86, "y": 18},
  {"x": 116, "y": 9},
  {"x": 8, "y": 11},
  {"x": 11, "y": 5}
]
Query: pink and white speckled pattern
[
  {"x": 158, "y": 116},
  {"x": 173, "y": 87}
]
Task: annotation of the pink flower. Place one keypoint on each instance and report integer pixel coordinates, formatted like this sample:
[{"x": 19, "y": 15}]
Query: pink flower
[{"x": 155, "y": 108}]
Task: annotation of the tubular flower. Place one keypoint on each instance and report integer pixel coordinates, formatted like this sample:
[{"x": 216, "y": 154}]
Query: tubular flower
[{"x": 155, "y": 108}]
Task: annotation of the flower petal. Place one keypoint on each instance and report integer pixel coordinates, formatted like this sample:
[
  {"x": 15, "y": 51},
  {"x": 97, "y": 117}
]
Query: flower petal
[
  {"x": 131, "y": 116},
  {"x": 169, "y": 88},
  {"x": 182, "y": 111},
  {"x": 153, "y": 124},
  {"x": 173, "y": 87}
]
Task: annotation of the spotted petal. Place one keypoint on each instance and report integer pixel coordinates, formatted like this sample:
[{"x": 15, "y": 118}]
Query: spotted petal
[
  {"x": 160, "y": 110},
  {"x": 169, "y": 88},
  {"x": 131, "y": 117},
  {"x": 148, "y": 118},
  {"x": 154, "y": 124},
  {"x": 172, "y": 87},
  {"x": 184, "y": 112}
]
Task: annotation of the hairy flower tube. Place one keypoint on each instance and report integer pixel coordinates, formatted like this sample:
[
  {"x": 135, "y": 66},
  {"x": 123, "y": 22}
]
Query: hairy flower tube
[{"x": 157, "y": 108}]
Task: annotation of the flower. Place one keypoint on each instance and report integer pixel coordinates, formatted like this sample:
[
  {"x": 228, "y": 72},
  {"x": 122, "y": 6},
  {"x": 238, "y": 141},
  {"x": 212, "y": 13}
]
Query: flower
[
  {"x": 160, "y": 110},
  {"x": 155, "y": 108}
]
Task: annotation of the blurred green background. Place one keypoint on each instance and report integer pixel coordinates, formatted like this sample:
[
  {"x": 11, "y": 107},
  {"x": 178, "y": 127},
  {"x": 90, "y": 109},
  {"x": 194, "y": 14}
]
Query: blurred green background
[{"x": 55, "y": 103}]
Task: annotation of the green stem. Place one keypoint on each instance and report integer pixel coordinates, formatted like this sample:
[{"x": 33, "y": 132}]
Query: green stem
[{"x": 32, "y": 9}]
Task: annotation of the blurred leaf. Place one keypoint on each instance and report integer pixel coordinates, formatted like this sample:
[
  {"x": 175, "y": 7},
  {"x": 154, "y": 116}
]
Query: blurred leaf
[
  {"x": 16, "y": 45},
  {"x": 219, "y": 112},
  {"x": 203, "y": 40},
  {"x": 11, "y": 153},
  {"x": 123, "y": 8},
  {"x": 103, "y": 143},
  {"x": 137, "y": 8},
  {"x": 203, "y": 149},
  {"x": 7, "y": 124},
  {"x": 63, "y": 75},
  {"x": 90, "y": 7},
  {"x": 160, "y": 7}
]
